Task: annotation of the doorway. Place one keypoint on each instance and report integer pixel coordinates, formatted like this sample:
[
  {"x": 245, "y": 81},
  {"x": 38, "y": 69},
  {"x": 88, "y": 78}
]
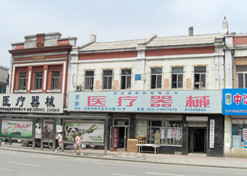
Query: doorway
[{"x": 197, "y": 139}]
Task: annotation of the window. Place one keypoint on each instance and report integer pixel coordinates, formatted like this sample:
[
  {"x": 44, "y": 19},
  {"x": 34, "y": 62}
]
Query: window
[
  {"x": 160, "y": 132},
  {"x": 22, "y": 80},
  {"x": 38, "y": 80},
  {"x": 126, "y": 79},
  {"x": 107, "y": 79},
  {"x": 200, "y": 77},
  {"x": 55, "y": 79},
  {"x": 239, "y": 130},
  {"x": 89, "y": 79},
  {"x": 156, "y": 78},
  {"x": 177, "y": 77},
  {"x": 242, "y": 76}
]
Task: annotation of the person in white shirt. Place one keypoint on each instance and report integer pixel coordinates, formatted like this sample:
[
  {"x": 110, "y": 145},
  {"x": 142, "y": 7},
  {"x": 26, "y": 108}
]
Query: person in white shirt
[{"x": 60, "y": 142}]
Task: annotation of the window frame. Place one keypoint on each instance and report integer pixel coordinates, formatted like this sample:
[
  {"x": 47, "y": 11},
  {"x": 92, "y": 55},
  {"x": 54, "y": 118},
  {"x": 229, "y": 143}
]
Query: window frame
[
  {"x": 22, "y": 86},
  {"x": 107, "y": 80},
  {"x": 126, "y": 79},
  {"x": 179, "y": 84},
  {"x": 156, "y": 76},
  {"x": 38, "y": 80},
  {"x": 52, "y": 80},
  {"x": 89, "y": 80},
  {"x": 201, "y": 85}
]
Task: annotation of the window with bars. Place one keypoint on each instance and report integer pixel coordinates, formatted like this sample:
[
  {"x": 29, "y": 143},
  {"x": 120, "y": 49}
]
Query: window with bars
[
  {"x": 89, "y": 79},
  {"x": 126, "y": 79},
  {"x": 199, "y": 77},
  {"x": 107, "y": 79},
  {"x": 156, "y": 78},
  {"x": 241, "y": 76},
  {"x": 55, "y": 79},
  {"x": 38, "y": 80},
  {"x": 177, "y": 77},
  {"x": 22, "y": 80}
]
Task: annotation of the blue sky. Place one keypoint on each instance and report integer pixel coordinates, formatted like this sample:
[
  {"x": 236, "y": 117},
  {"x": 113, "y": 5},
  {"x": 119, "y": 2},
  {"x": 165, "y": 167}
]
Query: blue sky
[{"x": 113, "y": 20}]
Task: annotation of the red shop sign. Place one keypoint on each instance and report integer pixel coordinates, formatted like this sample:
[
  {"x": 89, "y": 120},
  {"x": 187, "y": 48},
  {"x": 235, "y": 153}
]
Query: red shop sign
[{"x": 115, "y": 137}]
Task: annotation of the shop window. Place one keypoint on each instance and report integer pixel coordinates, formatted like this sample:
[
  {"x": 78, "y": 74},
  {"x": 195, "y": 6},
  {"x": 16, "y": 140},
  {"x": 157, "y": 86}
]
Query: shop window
[
  {"x": 241, "y": 76},
  {"x": 160, "y": 132},
  {"x": 156, "y": 78},
  {"x": 22, "y": 80},
  {"x": 199, "y": 77},
  {"x": 107, "y": 79},
  {"x": 89, "y": 80},
  {"x": 239, "y": 131},
  {"x": 126, "y": 79},
  {"x": 38, "y": 80},
  {"x": 177, "y": 77},
  {"x": 55, "y": 79}
]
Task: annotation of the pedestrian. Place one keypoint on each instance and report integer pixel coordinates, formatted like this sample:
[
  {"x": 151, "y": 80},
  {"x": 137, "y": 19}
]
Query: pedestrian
[
  {"x": 60, "y": 142},
  {"x": 78, "y": 144}
]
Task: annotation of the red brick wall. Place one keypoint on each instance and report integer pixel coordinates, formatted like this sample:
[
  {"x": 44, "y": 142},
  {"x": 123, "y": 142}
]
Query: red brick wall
[
  {"x": 240, "y": 40},
  {"x": 121, "y": 54}
]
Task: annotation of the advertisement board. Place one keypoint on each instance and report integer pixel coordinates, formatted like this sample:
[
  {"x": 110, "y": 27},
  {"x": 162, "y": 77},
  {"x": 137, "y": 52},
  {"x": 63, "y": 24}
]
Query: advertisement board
[
  {"x": 91, "y": 132},
  {"x": 48, "y": 130},
  {"x": 16, "y": 129},
  {"x": 234, "y": 101},
  {"x": 147, "y": 101},
  {"x": 31, "y": 103}
]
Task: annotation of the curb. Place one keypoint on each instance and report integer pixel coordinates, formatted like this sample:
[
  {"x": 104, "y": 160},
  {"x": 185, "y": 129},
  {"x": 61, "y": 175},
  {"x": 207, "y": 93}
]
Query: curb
[{"x": 120, "y": 159}]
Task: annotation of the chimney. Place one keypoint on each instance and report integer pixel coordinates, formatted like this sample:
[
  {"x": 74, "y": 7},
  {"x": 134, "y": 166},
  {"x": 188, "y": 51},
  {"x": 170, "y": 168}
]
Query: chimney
[{"x": 191, "y": 30}]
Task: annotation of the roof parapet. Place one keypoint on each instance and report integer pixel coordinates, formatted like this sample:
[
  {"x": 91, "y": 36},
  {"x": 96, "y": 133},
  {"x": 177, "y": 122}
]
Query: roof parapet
[
  {"x": 91, "y": 40},
  {"x": 148, "y": 40}
]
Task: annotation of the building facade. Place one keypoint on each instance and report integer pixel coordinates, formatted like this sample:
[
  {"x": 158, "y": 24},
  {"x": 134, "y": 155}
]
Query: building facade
[
  {"x": 166, "y": 90},
  {"x": 4, "y": 79}
]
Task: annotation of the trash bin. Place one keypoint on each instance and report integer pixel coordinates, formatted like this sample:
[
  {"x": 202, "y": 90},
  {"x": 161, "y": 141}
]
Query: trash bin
[{"x": 131, "y": 145}]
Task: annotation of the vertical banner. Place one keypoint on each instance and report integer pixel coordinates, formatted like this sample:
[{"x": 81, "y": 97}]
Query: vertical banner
[
  {"x": 48, "y": 130},
  {"x": 211, "y": 135},
  {"x": 16, "y": 129},
  {"x": 115, "y": 137}
]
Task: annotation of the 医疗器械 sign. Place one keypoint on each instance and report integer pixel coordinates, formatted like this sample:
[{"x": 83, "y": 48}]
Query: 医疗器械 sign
[
  {"x": 147, "y": 101},
  {"x": 234, "y": 101}
]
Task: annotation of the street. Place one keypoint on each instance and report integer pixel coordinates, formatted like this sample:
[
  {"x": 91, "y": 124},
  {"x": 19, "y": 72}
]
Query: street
[{"x": 30, "y": 164}]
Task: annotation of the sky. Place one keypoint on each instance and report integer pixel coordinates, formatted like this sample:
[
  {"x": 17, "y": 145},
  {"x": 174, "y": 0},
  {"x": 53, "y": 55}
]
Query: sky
[{"x": 114, "y": 20}]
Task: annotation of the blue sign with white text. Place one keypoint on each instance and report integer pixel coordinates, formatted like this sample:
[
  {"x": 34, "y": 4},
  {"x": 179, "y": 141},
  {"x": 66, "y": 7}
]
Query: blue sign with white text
[
  {"x": 234, "y": 101},
  {"x": 138, "y": 77}
]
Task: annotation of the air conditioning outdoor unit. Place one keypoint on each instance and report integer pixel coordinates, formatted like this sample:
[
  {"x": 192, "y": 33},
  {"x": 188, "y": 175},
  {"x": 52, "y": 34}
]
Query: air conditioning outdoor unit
[{"x": 78, "y": 88}]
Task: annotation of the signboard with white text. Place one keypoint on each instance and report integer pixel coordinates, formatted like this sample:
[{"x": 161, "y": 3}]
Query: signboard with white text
[
  {"x": 147, "y": 101},
  {"x": 31, "y": 103}
]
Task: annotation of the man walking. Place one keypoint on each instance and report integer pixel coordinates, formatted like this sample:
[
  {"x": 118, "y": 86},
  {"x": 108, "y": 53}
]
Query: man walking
[
  {"x": 78, "y": 144},
  {"x": 60, "y": 142}
]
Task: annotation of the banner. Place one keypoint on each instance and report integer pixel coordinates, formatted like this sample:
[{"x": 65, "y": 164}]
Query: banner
[
  {"x": 48, "y": 130},
  {"x": 147, "y": 101},
  {"x": 91, "y": 132},
  {"x": 17, "y": 129}
]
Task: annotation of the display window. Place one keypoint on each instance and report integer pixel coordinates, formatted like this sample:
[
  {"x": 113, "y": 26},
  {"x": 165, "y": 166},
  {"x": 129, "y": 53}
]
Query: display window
[
  {"x": 160, "y": 132},
  {"x": 239, "y": 133}
]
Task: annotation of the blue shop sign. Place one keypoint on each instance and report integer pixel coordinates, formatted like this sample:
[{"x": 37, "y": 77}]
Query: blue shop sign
[
  {"x": 234, "y": 101},
  {"x": 138, "y": 77}
]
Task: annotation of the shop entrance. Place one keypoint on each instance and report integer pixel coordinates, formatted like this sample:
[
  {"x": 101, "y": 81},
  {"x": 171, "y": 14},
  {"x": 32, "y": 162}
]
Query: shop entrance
[
  {"x": 120, "y": 133},
  {"x": 197, "y": 139}
]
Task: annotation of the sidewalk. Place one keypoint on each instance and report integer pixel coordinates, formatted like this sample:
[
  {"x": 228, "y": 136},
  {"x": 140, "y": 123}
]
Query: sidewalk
[{"x": 195, "y": 159}]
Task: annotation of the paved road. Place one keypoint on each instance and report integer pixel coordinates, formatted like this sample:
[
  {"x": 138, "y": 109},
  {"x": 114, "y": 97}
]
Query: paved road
[{"x": 30, "y": 164}]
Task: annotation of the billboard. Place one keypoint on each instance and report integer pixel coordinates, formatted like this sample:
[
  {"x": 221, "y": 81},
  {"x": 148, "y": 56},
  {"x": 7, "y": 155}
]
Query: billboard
[
  {"x": 234, "y": 101},
  {"x": 147, "y": 101},
  {"x": 91, "y": 132},
  {"x": 31, "y": 103},
  {"x": 16, "y": 129}
]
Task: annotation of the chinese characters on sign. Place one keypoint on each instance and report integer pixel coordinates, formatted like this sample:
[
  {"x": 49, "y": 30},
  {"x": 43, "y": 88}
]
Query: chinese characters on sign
[
  {"x": 35, "y": 103},
  {"x": 234, "y": 102},
  {"x": 147, "y": 101}
]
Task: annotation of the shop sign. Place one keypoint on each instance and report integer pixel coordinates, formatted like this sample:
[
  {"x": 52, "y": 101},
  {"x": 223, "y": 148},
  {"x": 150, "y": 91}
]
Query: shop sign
[
  {"x": 115, "y": 137},
  {"x": 235, "y": 101},
  {"x": 211, "y": 133},
  {"x": 91, "y": 132},
  {"x": 147, "y": 101},
  {"x": 31, "y": 103},
  {"x": 48, "y": 130},
  {"x": 16, "y": 129}
]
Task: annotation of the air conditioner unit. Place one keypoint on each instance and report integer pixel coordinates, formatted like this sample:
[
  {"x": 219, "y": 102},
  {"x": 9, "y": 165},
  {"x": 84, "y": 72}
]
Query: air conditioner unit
[{"x": 78, "y": 88}]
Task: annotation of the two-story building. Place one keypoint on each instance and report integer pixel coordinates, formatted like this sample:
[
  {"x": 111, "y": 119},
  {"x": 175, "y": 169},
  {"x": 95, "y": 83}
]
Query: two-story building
[{"x": 166, "y": 90}]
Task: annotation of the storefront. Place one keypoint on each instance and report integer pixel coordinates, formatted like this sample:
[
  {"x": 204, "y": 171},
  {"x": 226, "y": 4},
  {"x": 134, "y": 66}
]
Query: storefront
[
  {"x": 177, "y": 121},
  {"x": 234, "y": 109}
]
